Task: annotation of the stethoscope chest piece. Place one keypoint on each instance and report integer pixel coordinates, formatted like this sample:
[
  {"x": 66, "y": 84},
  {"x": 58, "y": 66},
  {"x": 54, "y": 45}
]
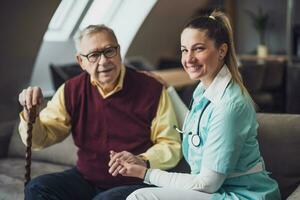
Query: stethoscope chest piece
[{"x": 195, "y": 140}]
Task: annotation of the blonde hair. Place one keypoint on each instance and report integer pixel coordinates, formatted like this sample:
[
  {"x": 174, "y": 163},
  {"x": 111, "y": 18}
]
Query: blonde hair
[
  {"x": 92, "y": 29},
  {"x": 218, "y": 28}
]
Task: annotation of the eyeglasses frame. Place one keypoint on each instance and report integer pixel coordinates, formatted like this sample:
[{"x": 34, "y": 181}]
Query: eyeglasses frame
[{"x": 101, "y": 53}]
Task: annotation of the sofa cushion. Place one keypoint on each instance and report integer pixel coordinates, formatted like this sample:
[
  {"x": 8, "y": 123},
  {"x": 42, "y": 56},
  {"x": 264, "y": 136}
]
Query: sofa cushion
[
  {"x": 295, "y": 195},
  {"x": 279, "y": 138},
  {"x": 5, "y": 134},
  {"x": 12, "y": 172},
  {"x": 11, "y": 188},
  {"x": 62, "y": 153},
  {"x": 15, "y": 168}
]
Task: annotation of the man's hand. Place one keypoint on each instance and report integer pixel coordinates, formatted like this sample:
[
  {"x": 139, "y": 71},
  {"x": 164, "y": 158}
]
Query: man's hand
[
  {"x": 32, "y": 96},
  {"x": 124, "y": 156}
]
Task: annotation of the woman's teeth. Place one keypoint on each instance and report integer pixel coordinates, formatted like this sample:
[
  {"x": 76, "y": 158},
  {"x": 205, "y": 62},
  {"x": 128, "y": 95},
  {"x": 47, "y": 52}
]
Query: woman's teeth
[{"x": 195, "y": 68}]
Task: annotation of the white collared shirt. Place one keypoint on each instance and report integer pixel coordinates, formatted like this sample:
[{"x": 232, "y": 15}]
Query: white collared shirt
[{"x": 216, "y": 89}]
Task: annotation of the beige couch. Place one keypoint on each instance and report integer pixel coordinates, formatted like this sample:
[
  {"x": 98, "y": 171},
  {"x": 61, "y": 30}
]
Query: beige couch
[
  {"x": 279, "y": 138},
  {"x": 12, "y": 161}
]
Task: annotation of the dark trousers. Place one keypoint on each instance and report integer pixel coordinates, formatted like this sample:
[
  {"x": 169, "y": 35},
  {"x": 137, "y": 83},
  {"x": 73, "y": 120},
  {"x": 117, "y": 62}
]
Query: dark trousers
[{"x": 71, "y": 185}]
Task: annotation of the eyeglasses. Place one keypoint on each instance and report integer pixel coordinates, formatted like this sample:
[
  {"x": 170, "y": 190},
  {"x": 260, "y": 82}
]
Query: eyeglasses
[{"x": 107, "y": 53}]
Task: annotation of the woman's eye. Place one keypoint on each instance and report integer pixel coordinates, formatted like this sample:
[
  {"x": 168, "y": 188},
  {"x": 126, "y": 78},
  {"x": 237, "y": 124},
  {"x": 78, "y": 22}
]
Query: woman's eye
[
  {"x": 183, "y": 50},
  {"x": 199, "y": 49}
]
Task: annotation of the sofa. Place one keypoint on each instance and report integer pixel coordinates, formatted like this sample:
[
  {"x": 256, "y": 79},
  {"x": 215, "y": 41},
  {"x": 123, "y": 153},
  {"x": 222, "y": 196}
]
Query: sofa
[{"x": 278, "y": 135}]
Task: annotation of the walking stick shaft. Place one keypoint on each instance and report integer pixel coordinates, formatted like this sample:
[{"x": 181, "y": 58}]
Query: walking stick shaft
[{"x": 32, "y": 116}]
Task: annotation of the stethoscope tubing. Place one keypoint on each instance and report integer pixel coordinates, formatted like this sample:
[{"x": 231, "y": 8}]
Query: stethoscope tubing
[{"x": 195, "y": 138}]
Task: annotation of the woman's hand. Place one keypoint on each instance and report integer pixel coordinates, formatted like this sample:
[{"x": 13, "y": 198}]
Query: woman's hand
[{"x": 132, "y": 170}]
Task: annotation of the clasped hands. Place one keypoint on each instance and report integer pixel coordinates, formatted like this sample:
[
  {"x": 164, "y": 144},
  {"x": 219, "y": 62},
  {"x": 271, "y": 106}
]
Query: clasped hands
[{"x": 126, "y": 164}]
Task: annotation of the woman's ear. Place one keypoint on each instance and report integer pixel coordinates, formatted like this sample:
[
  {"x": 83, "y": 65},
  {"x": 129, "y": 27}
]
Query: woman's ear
[{"x": 223, "y": 51}]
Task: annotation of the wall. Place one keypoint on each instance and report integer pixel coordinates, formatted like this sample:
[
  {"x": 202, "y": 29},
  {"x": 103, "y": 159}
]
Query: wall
[
  {"x": 296, "y": 17},
  {"x": 246, "y": 36},
  {"x": 157, "y": 37},
  {"x": 51, "y": 52},
  {"x": 23, "y": 24},
  {"x": 160, "y": 32}
]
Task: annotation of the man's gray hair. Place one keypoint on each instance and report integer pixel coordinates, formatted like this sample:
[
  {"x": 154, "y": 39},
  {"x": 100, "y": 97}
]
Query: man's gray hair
[{"x": 92, "y": 29}]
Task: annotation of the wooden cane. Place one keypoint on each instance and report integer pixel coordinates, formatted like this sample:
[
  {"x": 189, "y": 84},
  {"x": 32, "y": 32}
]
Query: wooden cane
[{"x": 32, "y": 116}]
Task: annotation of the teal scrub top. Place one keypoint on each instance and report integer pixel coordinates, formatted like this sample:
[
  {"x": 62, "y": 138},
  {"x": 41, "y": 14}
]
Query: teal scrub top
[{"x": 228, "y": 144}]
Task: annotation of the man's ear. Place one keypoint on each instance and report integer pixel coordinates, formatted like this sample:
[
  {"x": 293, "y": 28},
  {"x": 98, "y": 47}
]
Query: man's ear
[
  {"x": 79, "y": 61},
  {"x": 119, "y": 52}
]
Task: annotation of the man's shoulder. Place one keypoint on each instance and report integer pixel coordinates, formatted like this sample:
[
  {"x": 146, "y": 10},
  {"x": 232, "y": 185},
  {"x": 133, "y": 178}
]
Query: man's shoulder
[
  {"x": 77, "y": 80},
  {"x": 80, "y": 77},
  {"x": 76, "y": 83},
  {"x": 142, "y": 79}
]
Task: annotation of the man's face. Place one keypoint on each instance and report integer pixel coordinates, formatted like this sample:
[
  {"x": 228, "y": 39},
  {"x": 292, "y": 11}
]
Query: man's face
[{"x": 104, "y": 69}]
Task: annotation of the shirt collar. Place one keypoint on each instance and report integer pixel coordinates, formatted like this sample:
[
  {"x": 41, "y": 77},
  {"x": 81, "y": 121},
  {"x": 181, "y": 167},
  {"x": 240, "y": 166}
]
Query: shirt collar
[
  {"x": 216, "y": 89},
  {"x": 117, "y": 88}
]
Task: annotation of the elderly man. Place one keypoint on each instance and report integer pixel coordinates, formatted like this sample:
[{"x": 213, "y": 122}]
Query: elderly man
[{"x": 113, "y": 112}]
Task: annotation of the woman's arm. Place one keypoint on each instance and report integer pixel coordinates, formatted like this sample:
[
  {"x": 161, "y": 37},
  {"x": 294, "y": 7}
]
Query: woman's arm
[{"x": 207, "y": 181}]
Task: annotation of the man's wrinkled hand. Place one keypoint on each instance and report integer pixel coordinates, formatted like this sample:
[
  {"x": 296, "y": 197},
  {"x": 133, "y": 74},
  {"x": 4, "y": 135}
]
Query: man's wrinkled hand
[
  {"x": 29, "y": 97},
  {"x": 117, "y": 157}
]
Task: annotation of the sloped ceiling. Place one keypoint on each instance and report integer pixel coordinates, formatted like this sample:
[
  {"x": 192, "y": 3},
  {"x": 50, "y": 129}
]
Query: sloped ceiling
[{"x": 159, "y": 36}]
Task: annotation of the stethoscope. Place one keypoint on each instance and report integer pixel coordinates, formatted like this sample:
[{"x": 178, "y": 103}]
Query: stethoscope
[{"x": 195, "y": 139}]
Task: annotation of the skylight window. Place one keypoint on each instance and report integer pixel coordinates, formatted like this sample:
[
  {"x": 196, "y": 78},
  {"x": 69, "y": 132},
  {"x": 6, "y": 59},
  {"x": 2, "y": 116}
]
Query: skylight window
[
  {"x": 128, "y": 19},
  {"x": 124, "y": 17},
  {"x": 65, "y": 19},
  {"x": 60, "y": 14},
  {"x": 100, "y": 12}
]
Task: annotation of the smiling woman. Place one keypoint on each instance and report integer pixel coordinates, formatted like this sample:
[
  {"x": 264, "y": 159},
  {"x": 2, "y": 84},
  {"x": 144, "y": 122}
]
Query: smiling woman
[
  {"x": 219, "y": 131},
  {"x": 200, "y": 58}
]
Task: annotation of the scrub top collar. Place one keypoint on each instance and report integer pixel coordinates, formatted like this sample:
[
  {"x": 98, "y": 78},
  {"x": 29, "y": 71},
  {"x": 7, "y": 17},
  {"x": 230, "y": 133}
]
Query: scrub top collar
[{"x": 215, "y": 91}]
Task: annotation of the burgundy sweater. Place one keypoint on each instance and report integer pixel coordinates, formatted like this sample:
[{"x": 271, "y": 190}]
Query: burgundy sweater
[{"x": 119, "y": 122}]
